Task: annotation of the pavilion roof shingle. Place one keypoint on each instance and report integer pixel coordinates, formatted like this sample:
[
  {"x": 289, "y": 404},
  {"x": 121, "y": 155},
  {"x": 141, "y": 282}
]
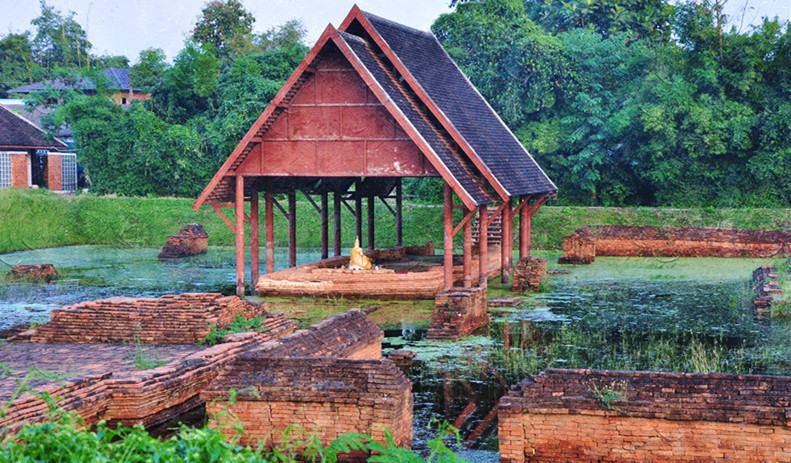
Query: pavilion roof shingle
[
  {"x": 117, "y": 79},
  {"x": 18, "y": 133},
  {"x": 470, "y": 114}
]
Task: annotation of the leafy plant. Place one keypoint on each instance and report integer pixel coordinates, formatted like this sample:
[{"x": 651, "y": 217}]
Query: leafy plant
[
  {"x": 606, "y": 395},
  {"x": 240, "y": 324}
]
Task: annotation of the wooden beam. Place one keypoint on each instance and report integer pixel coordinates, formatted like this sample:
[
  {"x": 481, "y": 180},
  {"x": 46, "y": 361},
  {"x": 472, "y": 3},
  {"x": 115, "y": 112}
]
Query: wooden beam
[
  {"x": 254, "y": 264},
  {"x": 350, "y": 208},
  {"x": 524, "y": 232},
  {"x": 324, "y": 225},
  {"x": 496, "y": 212},
  {"x": 467, "y": 244},
  {"x": 371, "y": 201},
  {"x": 270, "y": 228},
  {"x": 468, "y": 215},
  {"x": 239, "y": 201},
  {"x": 313, "y": 203},
  {"x": 336, "y": 201},
  {"x": 216, "y": 208},
  {"x": 292, "y": 228},
  {"x": 358, "y": 211},
  {"x": 277, "y": 203},
  {"x": 399, "y": 215},
  {"x": 387, "y": 205},
  {"x": 483, "y": 247},
  {"x": 448, "y": 238},
  {"x": 506, "y": 251}
]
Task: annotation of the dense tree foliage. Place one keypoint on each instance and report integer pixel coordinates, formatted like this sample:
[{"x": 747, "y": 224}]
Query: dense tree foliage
[
  {"x": 635, "y": 102},
  {"x": 623, "y": 102}
]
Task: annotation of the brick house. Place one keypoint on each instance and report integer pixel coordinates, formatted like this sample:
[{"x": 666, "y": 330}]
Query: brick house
[
  {"x": 117, "y": 80},
  {"x": 28, "y": 157}
]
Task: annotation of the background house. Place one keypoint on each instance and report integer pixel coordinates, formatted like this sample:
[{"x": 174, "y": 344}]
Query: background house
[
  {"x": 117, "y": 81},
  {"x": 28, "y": 157}
]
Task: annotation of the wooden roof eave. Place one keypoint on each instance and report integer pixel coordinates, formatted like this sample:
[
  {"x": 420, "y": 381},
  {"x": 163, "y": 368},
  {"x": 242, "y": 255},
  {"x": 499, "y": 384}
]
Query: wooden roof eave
[
  {"x": 273, "y": 105},
  {"x": 357, "y": 13},
  {"x": 414, "y": 135}
]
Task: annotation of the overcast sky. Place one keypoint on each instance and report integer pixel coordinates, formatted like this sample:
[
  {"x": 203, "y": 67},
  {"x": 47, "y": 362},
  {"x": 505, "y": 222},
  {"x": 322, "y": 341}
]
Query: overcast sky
[{"x": 125, "y": 27}]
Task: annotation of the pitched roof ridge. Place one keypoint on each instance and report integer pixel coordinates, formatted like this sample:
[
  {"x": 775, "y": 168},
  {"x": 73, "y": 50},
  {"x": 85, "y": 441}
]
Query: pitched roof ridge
[
  {"x": 55, "y": 139},
  {"x": 396, "y": 24}
]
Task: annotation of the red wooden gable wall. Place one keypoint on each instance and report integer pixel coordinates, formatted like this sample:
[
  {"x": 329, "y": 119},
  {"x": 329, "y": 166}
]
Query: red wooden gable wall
[{"x": 335, "y": 126}]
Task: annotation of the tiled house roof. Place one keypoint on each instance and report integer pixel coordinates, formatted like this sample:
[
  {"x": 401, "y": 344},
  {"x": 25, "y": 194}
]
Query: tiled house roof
[{"x": 18, "y": 133}]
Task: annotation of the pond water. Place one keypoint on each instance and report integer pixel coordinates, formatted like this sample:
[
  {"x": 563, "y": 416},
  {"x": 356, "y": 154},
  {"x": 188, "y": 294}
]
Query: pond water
[
  {"x": 618, "y": 313},
  {"x": 94, "y": 272}
]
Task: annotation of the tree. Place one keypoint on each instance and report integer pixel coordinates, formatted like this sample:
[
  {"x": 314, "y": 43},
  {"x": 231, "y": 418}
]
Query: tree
[
  {"x": 16, "y": 62},
  {"x": 59, "y": 40},
  {"x": 222, "y": 25},
  {"x": 149, "y": 70}
]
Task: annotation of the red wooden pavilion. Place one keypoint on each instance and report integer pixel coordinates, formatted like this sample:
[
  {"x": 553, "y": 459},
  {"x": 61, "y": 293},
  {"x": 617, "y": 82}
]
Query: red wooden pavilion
[{"x": 372, "y": 102}]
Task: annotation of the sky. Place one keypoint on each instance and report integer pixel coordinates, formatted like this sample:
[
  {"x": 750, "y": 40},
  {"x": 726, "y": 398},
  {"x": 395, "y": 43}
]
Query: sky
[{"x": 125, "y": 27}]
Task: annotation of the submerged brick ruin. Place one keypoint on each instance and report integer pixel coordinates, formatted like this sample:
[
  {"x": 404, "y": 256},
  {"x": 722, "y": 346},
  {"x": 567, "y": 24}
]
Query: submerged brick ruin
[
  {"x": 457, "y": 313},
  {"x": 582, "y": 246},
  {"x": 190, "y": 240},
  {"x": 170, "y": 319},
  {"x": 585, "y": 415},
  {"x": 331, "y": 373},
  {"x": 332, "y": 396}
]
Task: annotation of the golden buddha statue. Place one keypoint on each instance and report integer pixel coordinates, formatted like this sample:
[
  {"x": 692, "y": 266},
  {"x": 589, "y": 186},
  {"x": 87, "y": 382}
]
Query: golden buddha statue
[{"x": 358, "y": 260}]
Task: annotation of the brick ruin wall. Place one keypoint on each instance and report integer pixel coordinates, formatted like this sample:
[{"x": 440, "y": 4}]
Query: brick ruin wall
[
  {"x": 765, "y": 288},
  {"x": 558, "y": 415},
  {"x": 331, "y": 395},
  {"x": 457, "y": 313},
  {"x": 586, "y": 243},
  {"x": 190, "y": 240},
  {"x": 350, "y": 334},
  {"x": 528, "y": 273},
  {"x": 170, "y": 319}
]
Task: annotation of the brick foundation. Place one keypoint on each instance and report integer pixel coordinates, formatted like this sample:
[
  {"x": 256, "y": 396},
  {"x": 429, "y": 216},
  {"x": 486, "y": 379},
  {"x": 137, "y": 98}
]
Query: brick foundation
[
  {"x": 350, "y": 334},
  {"x": 649, "y": 241},
  {"x": 557, "y": 416},
  {"x": 457, "y": 313},
  {"x": 37, "y": 272},
  {"x": 333, "y": 396},
  {"x": 170, "y": 319},
  {"x": 528, "y": 273},
  {"x": 190, "y": 240}
]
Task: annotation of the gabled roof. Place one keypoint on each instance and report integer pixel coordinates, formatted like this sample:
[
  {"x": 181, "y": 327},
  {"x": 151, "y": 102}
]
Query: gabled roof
[
  {"x": 118, "y": 80},
  {"x": 16, "y": 132},
  {"x": 456, "y": 103},
  {"x": 412, "y": 76}
]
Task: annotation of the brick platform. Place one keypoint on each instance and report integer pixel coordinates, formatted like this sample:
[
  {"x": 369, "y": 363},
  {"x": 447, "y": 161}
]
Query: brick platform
[
  {"x": 586, "y": 243},
  {"x": 765, "y": 288},
  {"x": 190, "y": 240},
  {"x": 37, "y": 272},
  {"x": 528, "y": 273},
  {"x": 350, "y": 334},
  {"x": 170, "y": 319},
  {"x": 557, "y": 416},
  {"x": 457, "y": 313},
  {"x": 332, "y": 395}
]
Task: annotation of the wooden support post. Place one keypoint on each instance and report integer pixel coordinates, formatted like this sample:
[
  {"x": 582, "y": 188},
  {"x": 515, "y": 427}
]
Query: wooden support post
[
  {"x": 269, "y": 212},
  {"x": 254, "y": 265},
  {"x": 506, "y": 251},
  {"x": 325, "y": 252},
  {"x": 399, "y": 218},
  {"x": 524, "y": 233},
  {"x": 467, "y": 267},
  {"x": 239, "y": 205},
  {"x": 483, "y": 247},
  {"x": 358, "y": 211},
  {"x": 292, "y": 226},
  {"x": 371, "y": 219},
  {"x": 448, "y": 249},
  {"x": 336, "y": 202}
]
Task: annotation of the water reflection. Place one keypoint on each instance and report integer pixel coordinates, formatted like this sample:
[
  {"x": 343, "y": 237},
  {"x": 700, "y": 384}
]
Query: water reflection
[{"x": 95, "y": 272}]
